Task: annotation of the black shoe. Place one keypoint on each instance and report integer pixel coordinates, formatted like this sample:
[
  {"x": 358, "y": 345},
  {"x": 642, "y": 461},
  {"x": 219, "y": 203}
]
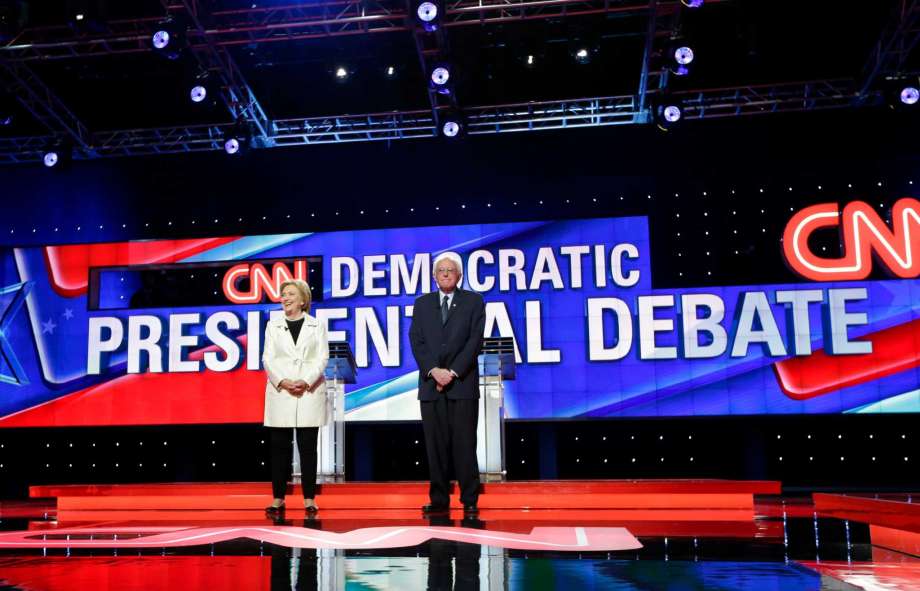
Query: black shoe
[
  {"x": 311, "y": 510},
  {"x": 471, "y": 509},
  {"x": 273, "y": 511},
  {"x": 430, "y": 509}
]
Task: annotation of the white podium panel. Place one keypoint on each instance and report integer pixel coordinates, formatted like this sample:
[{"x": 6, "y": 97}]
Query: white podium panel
[
  {"x": 496, "y": 364},
  {"x": 330, "y": 460},
  {"x": 490, "y": 432}
]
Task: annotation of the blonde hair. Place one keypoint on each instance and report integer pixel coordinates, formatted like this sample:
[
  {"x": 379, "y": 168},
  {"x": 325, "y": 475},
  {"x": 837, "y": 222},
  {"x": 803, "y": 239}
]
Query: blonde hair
[{"x": 301, "y": 286}]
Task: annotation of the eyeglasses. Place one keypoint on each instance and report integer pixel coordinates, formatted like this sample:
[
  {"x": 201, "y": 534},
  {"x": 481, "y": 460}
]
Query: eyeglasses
[{"x": 447, "y": 270}]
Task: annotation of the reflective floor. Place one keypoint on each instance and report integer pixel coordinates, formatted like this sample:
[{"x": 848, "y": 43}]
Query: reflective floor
[{"x": 787, "y": 546}]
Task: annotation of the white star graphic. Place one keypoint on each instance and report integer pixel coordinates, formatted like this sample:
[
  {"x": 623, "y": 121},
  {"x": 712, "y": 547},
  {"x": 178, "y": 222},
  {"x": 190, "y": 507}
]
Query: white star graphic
[
  {"x": 48, "y": 327},
  {"x": 68, "y": 314}
]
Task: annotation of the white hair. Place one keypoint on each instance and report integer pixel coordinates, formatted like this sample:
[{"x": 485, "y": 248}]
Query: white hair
[{"x": 451, "y": 256}]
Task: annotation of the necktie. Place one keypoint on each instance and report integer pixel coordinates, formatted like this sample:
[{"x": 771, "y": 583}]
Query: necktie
[{"x": 444, "y": 310}]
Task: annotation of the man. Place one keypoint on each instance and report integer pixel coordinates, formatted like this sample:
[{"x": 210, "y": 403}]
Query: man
[{"x": 446, "y": 337}]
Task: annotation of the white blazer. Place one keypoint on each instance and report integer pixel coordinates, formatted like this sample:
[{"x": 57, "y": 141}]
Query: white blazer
[{"x": 306, "y": 361}]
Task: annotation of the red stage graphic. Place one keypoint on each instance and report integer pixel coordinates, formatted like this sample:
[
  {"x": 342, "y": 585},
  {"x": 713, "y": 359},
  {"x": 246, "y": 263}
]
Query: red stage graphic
[{"x": 556, "y": 539}]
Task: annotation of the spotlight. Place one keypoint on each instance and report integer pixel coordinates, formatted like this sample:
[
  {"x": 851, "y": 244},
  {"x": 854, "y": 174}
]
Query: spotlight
[
  {"x": 169, "y": 39},
  {"x": 161, "y": 39},
  {"x": 672, "y": 113},
  {"x": 427, "y": 13},
  {"x": 451, "y": 128},
  {"x": 341, "y": 73},
  {"x": 50, "y": 158},
  {"x": 910, "y": 95},
  {"x": 667, "y": 113},
  {"x": 901, "y": 92},
  {"x": 237, "y": 140},
  {"x": 198, "y": 93},
  {"x": 232, "y": 145},
  {"x": 83, "y": 16},
  {"x": 57, "y": 154},
  {"x": 533, "y": 58},
  {"x": 692, "y": 3},
  {"x": 440, "y": 75},
  {"x": 583, "y": 56},
  {"x": 390, "y": 71},
  {"x": 683, "y": 55}
]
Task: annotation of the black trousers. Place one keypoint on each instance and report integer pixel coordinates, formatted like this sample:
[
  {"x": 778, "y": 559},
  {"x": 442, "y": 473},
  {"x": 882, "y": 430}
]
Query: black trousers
[
  {"x": 282, "y": 450},
  {"x": 450, "y": 434},
  {"x": 293, "y": 568}
]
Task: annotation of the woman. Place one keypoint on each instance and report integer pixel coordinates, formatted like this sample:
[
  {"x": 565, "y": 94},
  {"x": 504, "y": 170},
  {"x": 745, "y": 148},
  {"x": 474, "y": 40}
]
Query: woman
[{"x": 295, "y": 357}]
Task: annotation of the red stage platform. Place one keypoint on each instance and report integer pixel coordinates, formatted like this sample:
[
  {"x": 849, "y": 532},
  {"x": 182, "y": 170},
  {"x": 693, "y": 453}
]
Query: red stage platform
[
  {"x": 894, "y": 519},
  {"x": 660, "y": 495}
]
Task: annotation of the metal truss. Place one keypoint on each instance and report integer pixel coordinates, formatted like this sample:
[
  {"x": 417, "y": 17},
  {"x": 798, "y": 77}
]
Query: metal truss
[
  {"x": 570, "y": 114},
  {"x": 776, "y": 98},
  {"x": 898, "y": 39},
  {"x": 235, "y": 91},
  {"x": 653, "y": 75},
  {"x": 23, "y": 84},
  {"x": 531, "y": 116},
  {"x": 355, "y": 128},
  {"x": 430, "y": 47},
  {"x": 15, "y": 150},
  {"x": 325, "y": 18}
]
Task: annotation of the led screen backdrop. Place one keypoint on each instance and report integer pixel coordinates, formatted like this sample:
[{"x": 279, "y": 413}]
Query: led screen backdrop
[{"x": 163, "y": 332}]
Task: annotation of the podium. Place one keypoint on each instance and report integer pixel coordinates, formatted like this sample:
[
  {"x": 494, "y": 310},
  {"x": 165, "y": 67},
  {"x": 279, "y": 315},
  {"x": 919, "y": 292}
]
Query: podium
[
  {"x": 496, "y": 364},
  {"x": 340, "y": 370}
]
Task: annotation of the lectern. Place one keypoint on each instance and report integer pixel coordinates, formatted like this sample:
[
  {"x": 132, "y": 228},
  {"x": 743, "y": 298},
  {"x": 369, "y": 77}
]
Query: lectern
[
  {"x": 341, "y": 370},
  {"x": 496, "y": 365}
]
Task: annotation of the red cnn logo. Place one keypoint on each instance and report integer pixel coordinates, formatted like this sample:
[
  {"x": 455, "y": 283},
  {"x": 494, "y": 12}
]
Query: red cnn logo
[
  {"x": 863, "y": 233},
  {"x": 260, "y": 282}
]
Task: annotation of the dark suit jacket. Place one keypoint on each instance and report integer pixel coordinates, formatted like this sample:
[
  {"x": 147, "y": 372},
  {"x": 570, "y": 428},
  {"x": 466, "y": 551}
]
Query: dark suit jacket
[{"x": 454, "y": 346}]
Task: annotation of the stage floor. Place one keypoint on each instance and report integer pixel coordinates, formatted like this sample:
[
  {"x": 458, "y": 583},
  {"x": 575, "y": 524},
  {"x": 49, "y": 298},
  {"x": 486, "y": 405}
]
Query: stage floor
[{"x": 781, "y": 543}]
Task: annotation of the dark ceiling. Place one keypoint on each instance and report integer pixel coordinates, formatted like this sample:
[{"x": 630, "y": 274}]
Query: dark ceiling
[{"x": 737, "y": 42}]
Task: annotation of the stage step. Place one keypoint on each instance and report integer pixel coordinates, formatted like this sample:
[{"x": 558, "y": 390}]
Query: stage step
[{"x": 592, "y": 494}]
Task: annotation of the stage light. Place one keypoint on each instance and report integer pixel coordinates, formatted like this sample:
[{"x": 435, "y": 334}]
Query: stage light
[
  {"x": 910, "y": 95},
  {"x": 57, "y": 155},
  {"x": 161, "y": 39},
  {"x": 237, "y": 140},
  {"x": 391, "y": 72},
  {"x": 672, "y": 113},
  {"x": 341, "y": 73},
  {"x": 583, "y": 56},
  {"x": 231, "y": 145},
  {"x": 427, "y": 12},
  {"x": 451, "y": 128},
  {"x": 50, "y": 158},
  {"x": 683, "y": 55},
  {"x": 692, "y": 3},
  {"x": 168, "y": 40},
  {"x": 667, "y": 113},
  {"x": 79, "y": 17},
  {"x": 428, "y": 15},
  {"x": 440, "y": 76},
  {"x": 198, "y": 93}
]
